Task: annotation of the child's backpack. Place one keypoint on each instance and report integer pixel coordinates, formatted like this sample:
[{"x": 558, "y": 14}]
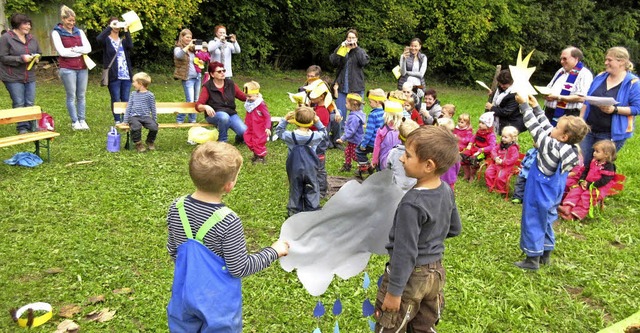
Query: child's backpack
[
  {"x": 46, "y": 123},
  {"x": 205, "y": 297},
  {"x": 302, "y": 158}
]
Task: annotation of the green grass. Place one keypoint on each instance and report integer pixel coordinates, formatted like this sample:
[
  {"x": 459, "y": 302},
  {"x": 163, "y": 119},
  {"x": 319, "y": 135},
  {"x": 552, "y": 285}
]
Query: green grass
[{"x": 103, "y": 224}]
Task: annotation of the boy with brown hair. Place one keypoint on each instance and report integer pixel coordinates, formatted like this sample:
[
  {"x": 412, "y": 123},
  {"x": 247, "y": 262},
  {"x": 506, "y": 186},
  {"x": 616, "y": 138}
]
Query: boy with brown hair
[
  {"x": 214, "y": 262},
  {"x": 410, "y": 297}
]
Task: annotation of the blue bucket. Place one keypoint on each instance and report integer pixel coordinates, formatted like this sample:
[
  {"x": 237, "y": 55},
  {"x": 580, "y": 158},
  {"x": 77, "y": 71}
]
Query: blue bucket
[{"x": 113, "y": 140}]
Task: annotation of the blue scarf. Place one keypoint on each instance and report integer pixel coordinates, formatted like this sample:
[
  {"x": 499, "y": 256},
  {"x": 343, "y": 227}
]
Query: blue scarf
[{"x": 566, "y": 91}]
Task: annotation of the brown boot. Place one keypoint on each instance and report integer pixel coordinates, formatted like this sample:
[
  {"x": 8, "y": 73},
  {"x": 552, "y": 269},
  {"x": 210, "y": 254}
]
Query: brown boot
[
  {"x": 140, "y": 148},
  {"x": 466, "y": 170},
  {"x": 151, "y": 145},
  {"x": 346, "y": 167}
]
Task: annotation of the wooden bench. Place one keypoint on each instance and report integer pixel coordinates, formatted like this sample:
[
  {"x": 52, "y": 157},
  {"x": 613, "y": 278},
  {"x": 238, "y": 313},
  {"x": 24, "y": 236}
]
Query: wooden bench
[
  {"x": 161, "y": 108},
  {"x": 32, "y": 114}
]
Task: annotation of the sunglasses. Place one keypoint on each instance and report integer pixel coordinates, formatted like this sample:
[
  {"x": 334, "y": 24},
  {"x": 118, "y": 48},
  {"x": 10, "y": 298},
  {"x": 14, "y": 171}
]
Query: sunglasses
[{"x": 221, "y": 71}]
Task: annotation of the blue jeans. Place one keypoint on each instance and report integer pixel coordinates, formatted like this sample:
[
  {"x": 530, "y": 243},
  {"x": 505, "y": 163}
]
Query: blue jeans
[
  {"x": 224, "y": 121},
  {"x": 590, "y": 139},
  {"x": 119, "y": 91},
  {"x": 22, "y": 94},
  {"x": 75, "y": 85},
  {"x": 191, "y": 93}
]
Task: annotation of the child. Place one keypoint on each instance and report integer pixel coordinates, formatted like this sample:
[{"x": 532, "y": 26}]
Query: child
[
  {"x": 451, "y": 176},
  {"x": 393, "y": 160},
  {"x": 557, "y": 154},
  {"x": 484, "y": 141},
  {"x": 302, "y": 161},
  {"x": 463, "y": 131},
  {"x": 320, "y": 100},
  {"x": 525, "y": 166},
  {"x": 505, "y": 157},
  {"x": 387, "y": 136},
  {"x": 258, "y": 121},
  {"x": 399, "y": 97},
  {"x": 141, "y": 112},
  {"x": 448, "y": 111},
  {"x": 594, "y": 183},
  {"x": 374, "y": 122},
  {"x": 202, "y": 60},
  {"x": 354, "y": 129},
  {"x": 409, "y": 90},
  {"x": 411, "y": 290},
  {"x": 574, "y": 175},
  {"x": 410, "y": 108},
  {"x": 217, "y": 267}
]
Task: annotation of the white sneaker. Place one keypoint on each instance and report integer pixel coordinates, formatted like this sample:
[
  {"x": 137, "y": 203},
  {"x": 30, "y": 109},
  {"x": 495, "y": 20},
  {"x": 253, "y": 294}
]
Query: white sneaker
[
  {"x": 193, "y": 143},
  {"x": 76, "y": 126},
  {"x": 83, "y": 125}
]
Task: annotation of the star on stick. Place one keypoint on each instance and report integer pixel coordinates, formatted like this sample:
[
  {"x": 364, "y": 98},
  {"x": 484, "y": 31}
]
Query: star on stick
[{"x": 521, "y": 75}]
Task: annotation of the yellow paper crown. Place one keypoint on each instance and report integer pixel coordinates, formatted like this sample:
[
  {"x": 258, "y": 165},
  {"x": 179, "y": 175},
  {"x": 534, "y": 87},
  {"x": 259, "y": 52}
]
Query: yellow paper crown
[
  {"x": 355, "y": 97},
  {"x": 392, "y": 107},
  {"x": 295, "y": 122},
  {"x": 375, "y": 97},
  {"x": 251, "y": 91}
]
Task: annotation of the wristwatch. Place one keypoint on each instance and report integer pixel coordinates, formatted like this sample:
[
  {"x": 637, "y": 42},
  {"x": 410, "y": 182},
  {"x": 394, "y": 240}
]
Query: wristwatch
[{"x": 615, "y": 109}]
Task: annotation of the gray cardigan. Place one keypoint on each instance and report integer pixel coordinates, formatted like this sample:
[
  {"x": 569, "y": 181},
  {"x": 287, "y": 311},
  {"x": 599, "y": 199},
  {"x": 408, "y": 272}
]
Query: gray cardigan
[{"x": 12, "y": 67}]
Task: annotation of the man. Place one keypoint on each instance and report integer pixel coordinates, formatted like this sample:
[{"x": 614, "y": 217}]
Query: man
[{"x": 569, "y": 86}]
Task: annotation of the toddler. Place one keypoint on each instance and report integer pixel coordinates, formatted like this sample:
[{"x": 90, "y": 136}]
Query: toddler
[
  {"x": 302, "y": 161},
  {"x": 393, "y": 160},
  {"x": 451, "y": 176},
  {"x": 505, "y": 157},
  {"x": 594, "y": 184},
  {"x": 448, "y": 111},
  {"x": 354, "y": 129},
  {"x": 387, "y": 136},
  {"x": 258, "y": 121},
  {"x": 141, "y": 112},
  {"x": 410, "y": 108},
  {"x": 574, "y": 175},
  {"x": 463, "y": 131},
  {"x": 374, "y": 122},
  {"x": 484, "y": 141},
  {"x": 525, "y": 166},
  {"x": 320, "y": 100},
  {"x": 202, "y": 60}
]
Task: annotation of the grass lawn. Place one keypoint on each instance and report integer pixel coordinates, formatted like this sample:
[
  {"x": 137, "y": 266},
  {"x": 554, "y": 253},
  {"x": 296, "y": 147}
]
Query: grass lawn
[{"x": 69, "y": 232}]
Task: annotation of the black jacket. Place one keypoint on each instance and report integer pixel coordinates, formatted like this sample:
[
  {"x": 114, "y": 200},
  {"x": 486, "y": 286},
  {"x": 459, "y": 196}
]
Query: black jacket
[{"x": 109, "y": 52}]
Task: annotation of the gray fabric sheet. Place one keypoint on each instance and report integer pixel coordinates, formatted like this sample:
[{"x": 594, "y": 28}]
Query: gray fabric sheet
[{"x": 340, "y": 238}]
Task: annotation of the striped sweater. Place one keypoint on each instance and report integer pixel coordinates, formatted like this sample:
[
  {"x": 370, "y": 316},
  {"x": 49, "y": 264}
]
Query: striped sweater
[
  {"x": 225, "y": 239},
  {"x": 551, "y": 152},
  {"x": 141, "y": 104}
]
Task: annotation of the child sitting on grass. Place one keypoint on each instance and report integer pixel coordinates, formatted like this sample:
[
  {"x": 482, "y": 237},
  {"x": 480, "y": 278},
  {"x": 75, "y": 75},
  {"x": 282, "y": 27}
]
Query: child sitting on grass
[
  {"x": 141, "y": 112},
  {"x": 410, "y": 108},
  {"x": 258, "y": 121},
  {"x": 557, "y": 154},
  {"x": 217, "y": 259},
  {"x": 484, "y": 141},
  {"x": 302, "y": 161},
  {"x": 594, "y": 183},
  {"x": 353, "y": 130},
  {"x": 393, "y": 160},
  {"x": 448, "y": 111},
  {"x": 387, "y": 136},
  {"x": 505, "y": 157},
  {"x": 410, "y": 297}
]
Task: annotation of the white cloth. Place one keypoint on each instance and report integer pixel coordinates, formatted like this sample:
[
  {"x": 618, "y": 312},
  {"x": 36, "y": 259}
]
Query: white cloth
[{"x": 580, "y": 87}]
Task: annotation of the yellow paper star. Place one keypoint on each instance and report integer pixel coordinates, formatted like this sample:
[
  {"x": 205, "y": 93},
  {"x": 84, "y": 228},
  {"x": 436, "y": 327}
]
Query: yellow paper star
[{"x": 521, "y": 75}]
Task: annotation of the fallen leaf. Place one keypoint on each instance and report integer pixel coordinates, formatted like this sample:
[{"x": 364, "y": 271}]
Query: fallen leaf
[
  {"x": 69, "y": 310},
  {"x": 101, "y": 316},
  {"x": 122, "y": 291},
  {"x": 96, "y": 299},
  {"x": 68, "y": 326},
  {"x": 54, "y": 270}
]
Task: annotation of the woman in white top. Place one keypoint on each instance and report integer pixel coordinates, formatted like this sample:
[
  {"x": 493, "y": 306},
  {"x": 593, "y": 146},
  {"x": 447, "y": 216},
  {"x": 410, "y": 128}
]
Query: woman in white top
[
  {"x": 222, "y": 47},
  {"x": 413, "y": 65}
]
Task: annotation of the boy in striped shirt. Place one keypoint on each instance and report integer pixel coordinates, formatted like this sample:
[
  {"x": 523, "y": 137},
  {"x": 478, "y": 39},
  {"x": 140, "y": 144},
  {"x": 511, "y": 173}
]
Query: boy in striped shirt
[
  {"x": 141, "y": 112},
  {"x": 557, "y": 154}
]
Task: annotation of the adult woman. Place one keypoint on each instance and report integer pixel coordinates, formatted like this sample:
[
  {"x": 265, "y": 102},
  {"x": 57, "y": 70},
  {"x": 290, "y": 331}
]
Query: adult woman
[
  {"x": 350, "y": 77},
  {"x": 183, "y": 55},
  {"x": 503, "y": 103},
  {"x": 612, "y": 122},
  {"x": 431, "y": 110},
  {"x": 222, "y": 47},
  {"x": 117, "y": 57},
  {"x": 18, "y": 48},
  {"x": 413, "y": 65},
  {"x": 217, "y": 100},
  {"x": 71, "y": 44}
]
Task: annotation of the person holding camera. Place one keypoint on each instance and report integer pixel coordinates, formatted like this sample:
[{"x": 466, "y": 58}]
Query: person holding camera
[
  {"x": 116, "y": 57},
  {"x": 222, "y": 47},
  {"x": 183, "y": 55},
  {"x": 413, "y": 65},
  {"x": 350, "y": 77}
]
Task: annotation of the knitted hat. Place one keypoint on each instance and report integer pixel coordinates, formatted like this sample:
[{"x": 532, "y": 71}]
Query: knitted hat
[
  {"x": 487, "y": 119},
  {"x": 392, "y": 107}
]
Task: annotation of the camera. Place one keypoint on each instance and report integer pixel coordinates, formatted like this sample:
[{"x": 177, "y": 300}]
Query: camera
[
  {"x": 197, "y": 43},
  {"x": 121, "y": 24}
]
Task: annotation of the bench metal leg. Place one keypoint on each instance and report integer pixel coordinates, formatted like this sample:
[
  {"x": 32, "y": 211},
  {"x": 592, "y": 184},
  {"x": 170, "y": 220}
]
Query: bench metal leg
[
  {"x": 47, "y": 146},
  {"x": 128, "y": 144}
]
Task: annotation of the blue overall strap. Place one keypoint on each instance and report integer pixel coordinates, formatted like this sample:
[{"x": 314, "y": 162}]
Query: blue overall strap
[{"x": 216, "y": 217}]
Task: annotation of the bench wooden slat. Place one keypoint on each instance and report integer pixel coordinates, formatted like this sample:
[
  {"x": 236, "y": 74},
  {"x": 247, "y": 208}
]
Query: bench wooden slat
[
  {"x": 161, "y": 107},
  {"x": 28, "y": 137},
  {"x": 125, "y": 127},
  {"x": 12, "y": 116}
]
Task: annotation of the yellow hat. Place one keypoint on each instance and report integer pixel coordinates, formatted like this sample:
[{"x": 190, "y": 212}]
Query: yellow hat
[
  {"x": 392, "y": 107},
  {"x": 377, "y": 95},
  {"x": 316, "y": 88},
  {"x": 251, "y": 88},
  {"x": 355, "y": 97}
]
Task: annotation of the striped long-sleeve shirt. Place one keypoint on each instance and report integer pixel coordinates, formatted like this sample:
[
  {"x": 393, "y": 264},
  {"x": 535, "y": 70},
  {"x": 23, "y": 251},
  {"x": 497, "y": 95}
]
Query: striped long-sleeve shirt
[
  {"x": 374, "y": 122},
  {"x": 141, "y": 104},
  {"x": 225, "y": 239},
  {"x": 551, "y": 152}
]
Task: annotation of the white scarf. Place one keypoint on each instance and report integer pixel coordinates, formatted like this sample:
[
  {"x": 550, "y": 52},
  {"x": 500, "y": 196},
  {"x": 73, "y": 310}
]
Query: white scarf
[
  {"x": 250, "y": 106},
  {"x": 498, "y": 96}
]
